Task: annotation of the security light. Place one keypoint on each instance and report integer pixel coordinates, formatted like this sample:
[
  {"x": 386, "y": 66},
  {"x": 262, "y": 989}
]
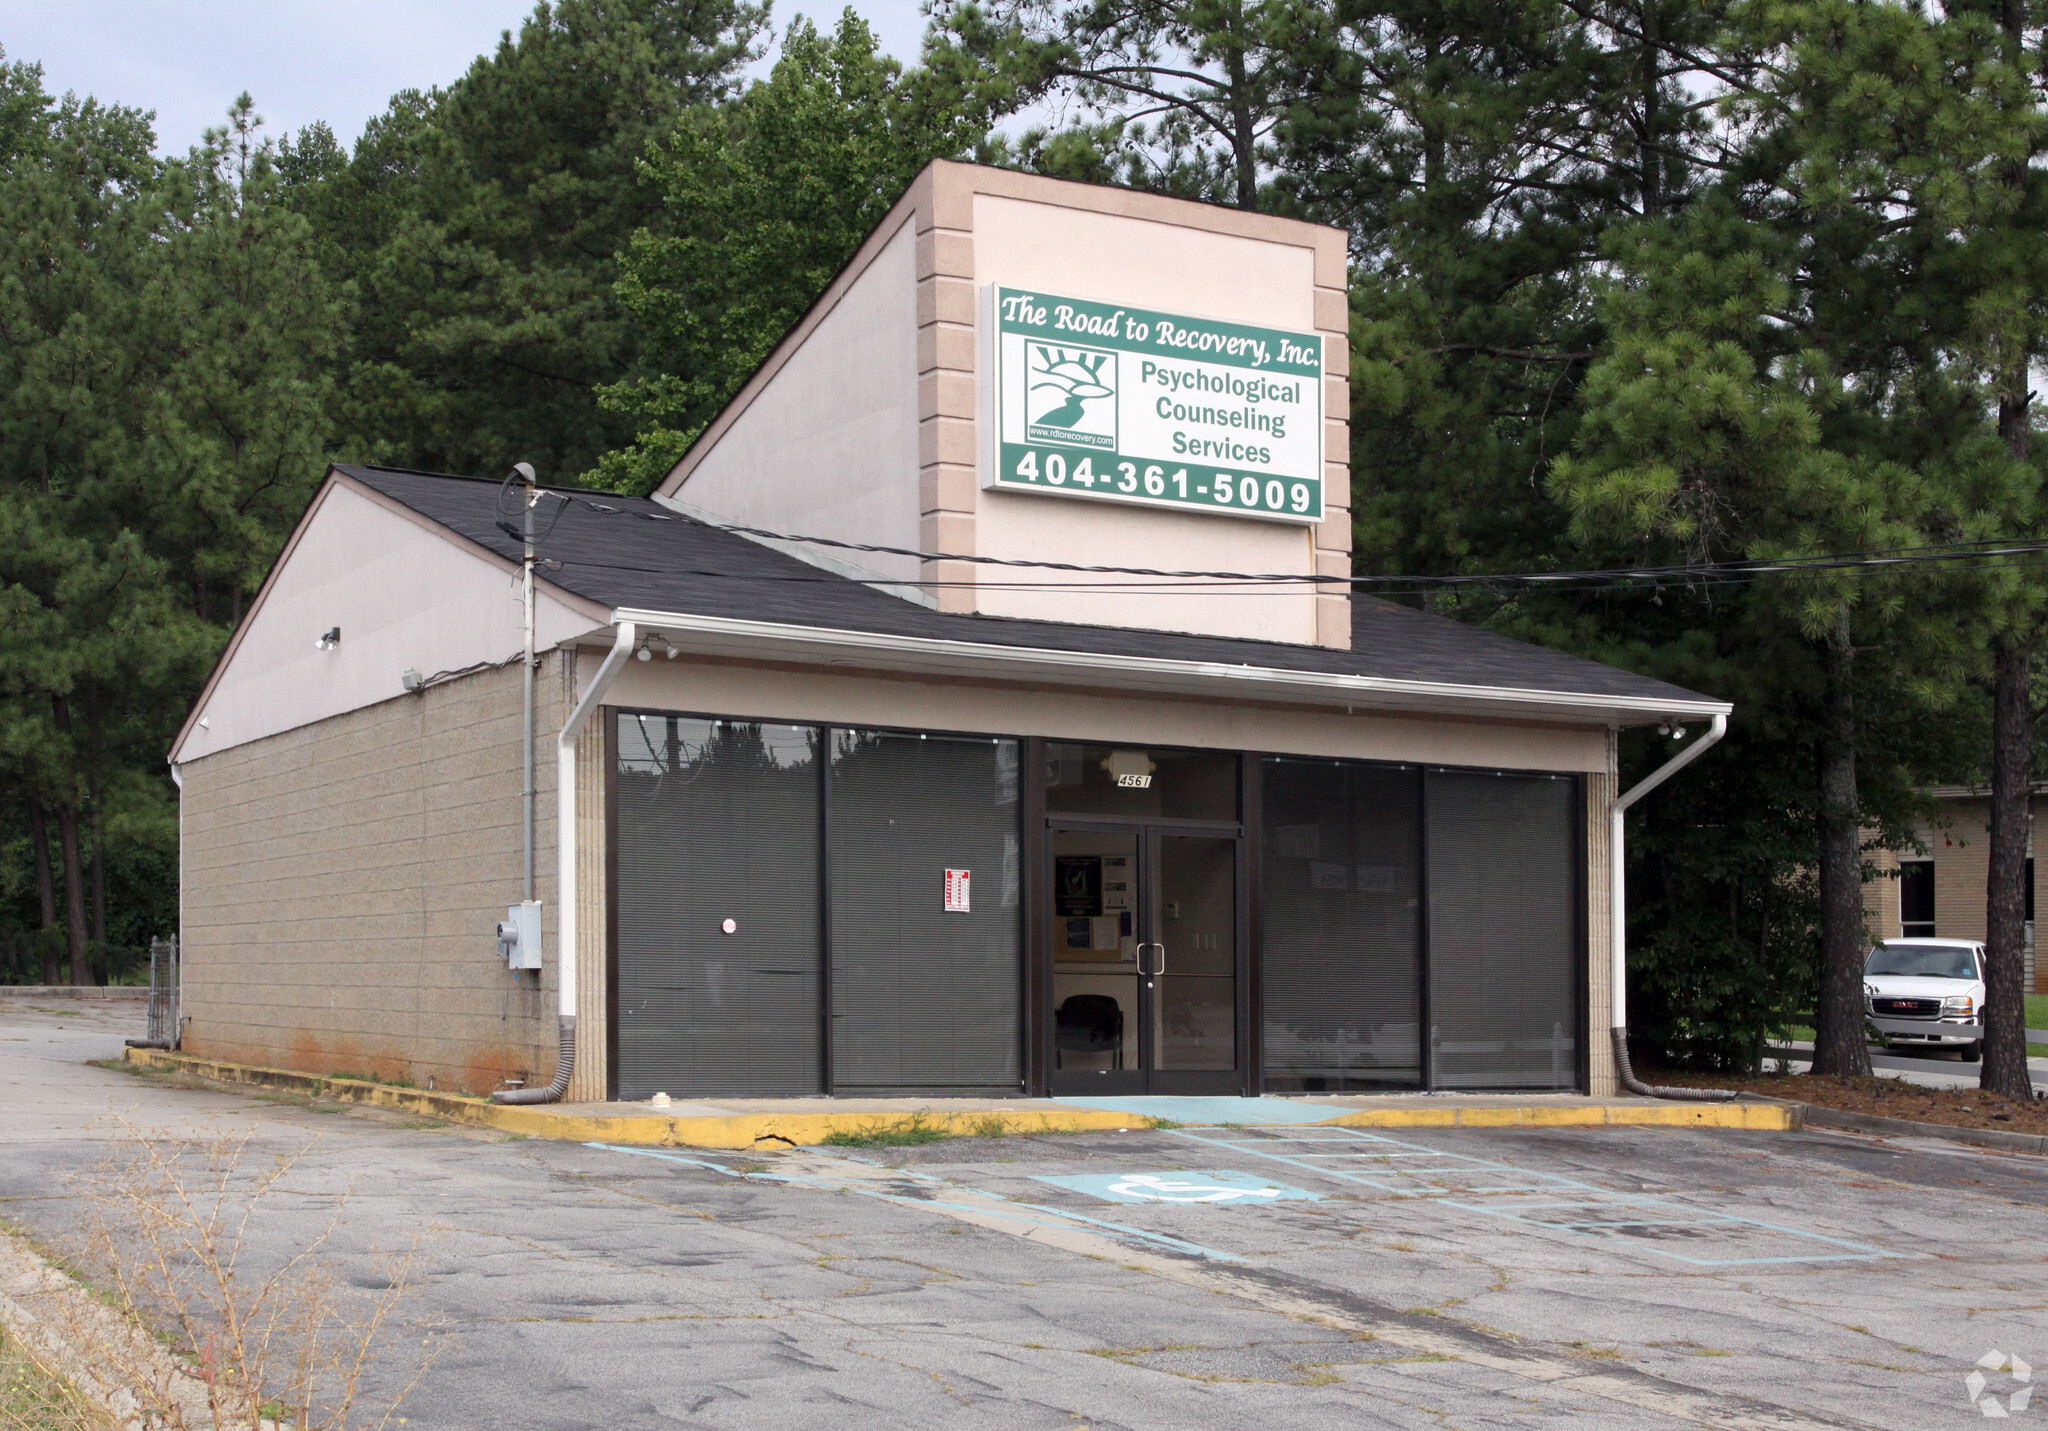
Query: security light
[{"x": 329, "y": 641}]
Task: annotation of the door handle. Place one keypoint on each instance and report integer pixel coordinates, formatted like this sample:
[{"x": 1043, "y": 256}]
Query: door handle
[{"x": 1151, "y": 973}]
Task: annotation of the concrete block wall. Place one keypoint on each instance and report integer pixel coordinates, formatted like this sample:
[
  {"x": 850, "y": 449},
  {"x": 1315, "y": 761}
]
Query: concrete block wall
[{"x": 342, "y": 884}]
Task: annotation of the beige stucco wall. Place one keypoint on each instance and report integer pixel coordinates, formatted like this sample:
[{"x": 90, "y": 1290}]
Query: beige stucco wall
[
  {"x": 1145, "y": 263},
  {"x": 995, "y": 708},
  {"x": 829, "y": 444},
  {"x": 342, "y": 887},
  {"x": 406, "y": 595},
  {"x": 971, "y": 227}
]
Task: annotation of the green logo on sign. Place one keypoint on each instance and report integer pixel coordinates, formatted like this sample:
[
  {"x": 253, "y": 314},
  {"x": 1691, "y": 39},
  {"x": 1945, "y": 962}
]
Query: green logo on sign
[{"x": 1072, "y": 395}]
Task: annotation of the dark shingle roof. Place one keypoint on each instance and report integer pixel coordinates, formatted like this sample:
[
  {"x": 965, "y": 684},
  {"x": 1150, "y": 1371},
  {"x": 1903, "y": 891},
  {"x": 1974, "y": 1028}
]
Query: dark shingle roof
[{"x": 625, "y": 552}]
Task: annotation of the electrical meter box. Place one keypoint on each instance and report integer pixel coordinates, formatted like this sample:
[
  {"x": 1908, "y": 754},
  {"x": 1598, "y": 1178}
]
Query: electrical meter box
[{"x": 519, "y": 936}]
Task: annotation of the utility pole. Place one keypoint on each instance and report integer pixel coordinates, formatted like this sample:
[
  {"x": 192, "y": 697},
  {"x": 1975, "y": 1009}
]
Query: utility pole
[{"x": 525, "y": 471}]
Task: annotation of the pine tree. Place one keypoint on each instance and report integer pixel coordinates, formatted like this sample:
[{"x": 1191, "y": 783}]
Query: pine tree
[
  {"x": 481, "y": 225},
  {"x": 764, "y": 201}
]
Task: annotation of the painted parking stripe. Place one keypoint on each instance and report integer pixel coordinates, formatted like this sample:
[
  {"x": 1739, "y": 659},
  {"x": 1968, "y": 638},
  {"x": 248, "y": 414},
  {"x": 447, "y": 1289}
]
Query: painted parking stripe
[
  {"x": 1211, "y": 1189},
  {"x": 1455, "y": 1173},
  {"x": 861, "y": 1178},
  {"x": 1219, "y": 1109}
]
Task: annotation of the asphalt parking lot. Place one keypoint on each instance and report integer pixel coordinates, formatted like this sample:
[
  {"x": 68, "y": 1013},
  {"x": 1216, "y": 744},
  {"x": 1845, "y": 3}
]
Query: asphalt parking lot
[{"x": 1177, "y": 1278}]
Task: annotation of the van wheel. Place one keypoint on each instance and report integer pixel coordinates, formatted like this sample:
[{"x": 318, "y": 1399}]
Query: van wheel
[{"x": 1971, "y": 1052}]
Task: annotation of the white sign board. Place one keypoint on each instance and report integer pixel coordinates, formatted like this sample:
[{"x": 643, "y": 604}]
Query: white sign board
[
  {"x": 956, "y": 891},
  {"x": 1154, "y": 409}
]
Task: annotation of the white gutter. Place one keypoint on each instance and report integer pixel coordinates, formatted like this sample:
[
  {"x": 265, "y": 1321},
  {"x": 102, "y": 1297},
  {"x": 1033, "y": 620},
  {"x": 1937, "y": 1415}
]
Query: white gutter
[
  {"x": 717, "y": 635},
  {"x": 625, "y": 637},
  {"x": 1618, "y": 905}
]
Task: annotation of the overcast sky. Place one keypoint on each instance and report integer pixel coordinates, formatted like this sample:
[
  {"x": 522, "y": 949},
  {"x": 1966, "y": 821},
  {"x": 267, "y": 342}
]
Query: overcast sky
[{"x": 337, "y": 60}]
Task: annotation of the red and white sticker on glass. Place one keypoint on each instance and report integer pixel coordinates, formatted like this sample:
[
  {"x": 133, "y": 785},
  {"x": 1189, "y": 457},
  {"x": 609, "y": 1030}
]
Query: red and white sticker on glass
[{"x": 956, "y": 891}]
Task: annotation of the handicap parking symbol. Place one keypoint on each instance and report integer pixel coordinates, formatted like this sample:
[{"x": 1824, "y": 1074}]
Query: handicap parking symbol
[{"x": 1215, "y": 1189}]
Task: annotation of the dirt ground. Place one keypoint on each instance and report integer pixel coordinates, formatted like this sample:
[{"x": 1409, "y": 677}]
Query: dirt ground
[{"x": 1884, "y": 1097}]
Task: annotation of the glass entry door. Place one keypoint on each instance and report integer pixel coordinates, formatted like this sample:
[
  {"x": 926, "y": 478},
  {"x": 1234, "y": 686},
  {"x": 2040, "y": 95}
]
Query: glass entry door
[{"x": 1145, "y": 961}]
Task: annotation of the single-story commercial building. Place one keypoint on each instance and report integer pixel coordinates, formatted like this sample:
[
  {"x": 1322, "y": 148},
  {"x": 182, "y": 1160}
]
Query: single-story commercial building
[{"x": 980, "y": 707}]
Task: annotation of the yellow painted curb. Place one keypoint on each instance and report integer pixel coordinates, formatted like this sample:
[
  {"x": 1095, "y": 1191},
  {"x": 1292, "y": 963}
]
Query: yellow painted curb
[
  {"x": 748, "y": 1130},
  {"x": 1771, "y": 1117},
  {"x": 744, "y": 1130}
]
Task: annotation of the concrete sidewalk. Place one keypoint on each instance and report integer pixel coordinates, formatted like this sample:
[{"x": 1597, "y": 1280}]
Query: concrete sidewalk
[{"x": 798, "y": 1122}]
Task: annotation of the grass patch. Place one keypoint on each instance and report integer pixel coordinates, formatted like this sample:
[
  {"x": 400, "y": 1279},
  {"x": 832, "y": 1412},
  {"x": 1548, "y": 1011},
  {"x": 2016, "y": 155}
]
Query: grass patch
[
  {"x": 905, "y": 1132},
  {"x": 32, "y": 1398},
  {"x": 1163, "y": 1125}
]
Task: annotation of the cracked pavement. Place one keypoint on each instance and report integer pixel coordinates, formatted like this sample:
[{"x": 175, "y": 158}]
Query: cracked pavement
[{"x": 1700, "y": 1278}]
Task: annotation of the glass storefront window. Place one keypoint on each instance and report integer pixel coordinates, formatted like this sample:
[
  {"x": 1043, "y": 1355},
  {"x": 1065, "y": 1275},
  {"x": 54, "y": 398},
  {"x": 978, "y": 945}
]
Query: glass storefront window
[
  {"x": 1505, "y": 946},
  {"x": 925, "y": 970},
  {"x": 1144, "y": 781},
  {"x": 1343, "y": 931},
  {"x": 718, "y": 930}
]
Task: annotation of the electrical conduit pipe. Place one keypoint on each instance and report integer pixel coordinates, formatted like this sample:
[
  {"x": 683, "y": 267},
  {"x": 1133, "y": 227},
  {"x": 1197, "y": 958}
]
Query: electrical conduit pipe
[
  {"x": 625, "y": 637},
  {"x": 1657, "y": 777}
]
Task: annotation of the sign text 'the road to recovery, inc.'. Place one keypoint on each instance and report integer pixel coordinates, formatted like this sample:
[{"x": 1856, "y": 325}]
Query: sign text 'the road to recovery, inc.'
[{"x": 1155, "y": 409}]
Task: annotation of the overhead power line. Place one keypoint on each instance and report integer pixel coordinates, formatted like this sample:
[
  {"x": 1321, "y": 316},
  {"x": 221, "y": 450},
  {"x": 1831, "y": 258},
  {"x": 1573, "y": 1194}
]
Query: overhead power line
[{"x": 1995, "y": 554}]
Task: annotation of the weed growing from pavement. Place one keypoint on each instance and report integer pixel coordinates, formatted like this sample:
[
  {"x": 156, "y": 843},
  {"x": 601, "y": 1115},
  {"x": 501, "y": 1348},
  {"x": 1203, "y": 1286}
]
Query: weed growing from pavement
[
  {"x": 35, "y": 1398},
  {"x": 905, "y": 1132},
  {"x": 172, "y": 1327},
  {"x": 924, "y": 1127}
]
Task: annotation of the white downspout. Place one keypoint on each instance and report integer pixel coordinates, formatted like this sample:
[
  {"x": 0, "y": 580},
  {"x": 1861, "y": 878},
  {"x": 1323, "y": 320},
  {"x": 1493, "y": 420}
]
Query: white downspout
[
  {"x": 1619, "y": 907},
  {"x": 625, "y": 636}
]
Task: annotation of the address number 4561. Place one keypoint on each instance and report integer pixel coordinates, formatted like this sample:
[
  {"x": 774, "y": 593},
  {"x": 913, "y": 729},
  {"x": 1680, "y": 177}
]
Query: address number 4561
[{"x": 1271, "y": 495}]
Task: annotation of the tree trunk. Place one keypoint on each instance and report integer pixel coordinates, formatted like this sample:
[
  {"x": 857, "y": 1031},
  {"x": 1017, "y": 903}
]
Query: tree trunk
[
  {"x": 2012, "y": 740},
  {"x": 2012, "y": 777},
  {"x": 46, "y": 889},
  {"x": 1244, "y": 138},
  {"x": 1838, "y": 1043},
  {"x": 99, "y": 874},
  {"x": 1650, "y": 159},
  {"x": 74, "y": 892}
]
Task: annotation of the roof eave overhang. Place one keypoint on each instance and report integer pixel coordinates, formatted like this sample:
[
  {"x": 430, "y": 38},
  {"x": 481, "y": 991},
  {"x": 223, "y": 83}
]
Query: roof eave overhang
[{"x": 929, "y": 656}]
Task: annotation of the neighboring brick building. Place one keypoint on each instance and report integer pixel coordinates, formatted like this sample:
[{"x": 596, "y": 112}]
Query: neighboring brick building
[{"x": 1939, "y": 888}]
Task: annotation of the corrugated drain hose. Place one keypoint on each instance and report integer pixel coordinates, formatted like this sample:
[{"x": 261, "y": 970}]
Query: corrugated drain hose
[
  {"x": 1629, "y": 1081},
  {"x": 565, "y": 1064}
]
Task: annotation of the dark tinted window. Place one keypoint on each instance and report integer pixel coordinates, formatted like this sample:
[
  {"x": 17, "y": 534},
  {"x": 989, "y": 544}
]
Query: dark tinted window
[
  {"x": 1916, "y": 897},
  {"x": 1504, "y": 950},
  {"x": 1340, "y": 878},
  {"x": 924, "y": 997},
  {"x": 717, "y": 821}
]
